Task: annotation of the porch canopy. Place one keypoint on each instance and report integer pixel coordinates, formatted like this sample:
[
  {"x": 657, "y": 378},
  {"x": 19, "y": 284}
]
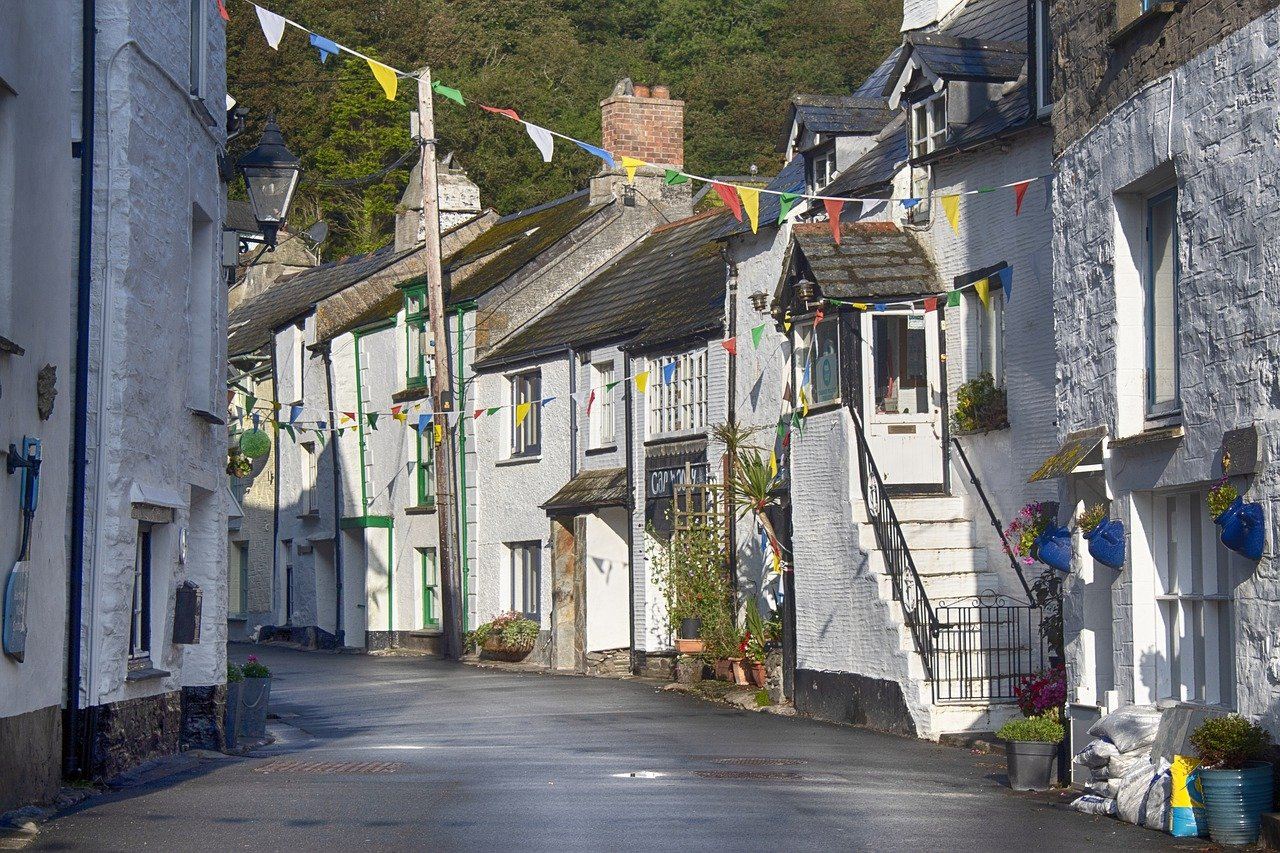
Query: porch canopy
[
  {"x": 1074, "y": 450},
  {"x": 603, "y": 487},
  {"x": 873, "y": 260}
]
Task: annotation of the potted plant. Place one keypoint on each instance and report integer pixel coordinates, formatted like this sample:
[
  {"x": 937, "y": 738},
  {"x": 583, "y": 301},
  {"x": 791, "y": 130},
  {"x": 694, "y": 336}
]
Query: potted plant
[
  {"x": 1241, "y": 523},
  {"x": 509, "y": 637},
  {"x": 1237, "y": 786},
  {"x": 235, "y": 685},
  {"x": 688, "y": 640},
  {"x": 1105, "y": 536},
  {"x": 980, "y": 406},
  {"x": 754, "y": 646},
  {"x": 255, "y": 696},
  {"x": 1031, "y": 750},
  {"x": 254, "y": 443},
  {"x": 238, "y": 465}
]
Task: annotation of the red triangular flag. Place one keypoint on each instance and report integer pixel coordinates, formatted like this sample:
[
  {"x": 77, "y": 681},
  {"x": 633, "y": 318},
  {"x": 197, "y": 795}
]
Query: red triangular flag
[
  {"x": 511, "y": 114},
  {"x": 730, "y": 198},
  {"x": 395, "y": 410},
  {"x": 931, "y": 304},
  {"x": 1019, "y": 190},
  {"x": 591, "y": 400},
  {"x": 834, "y": 206},
  {"x": 731, "y": 346},
  {"x": 351, "y": 415},
  {"x": 222, "y": 10},
  {"x": 818, "y": 315},
  {"x": 475, "y": 416}
]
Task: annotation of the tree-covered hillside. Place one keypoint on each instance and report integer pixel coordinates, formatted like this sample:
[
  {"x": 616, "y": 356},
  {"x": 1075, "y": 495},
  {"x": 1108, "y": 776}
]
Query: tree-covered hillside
[{"x": 734, "y": 63}]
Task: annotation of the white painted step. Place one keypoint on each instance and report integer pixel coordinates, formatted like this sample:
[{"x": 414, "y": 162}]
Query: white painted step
[
  {"x": 943, "y": 508},
  {"x": 942, "y": 535},
  {"x": 936, "y": 561},
  {"x": 953, "y": 718}
]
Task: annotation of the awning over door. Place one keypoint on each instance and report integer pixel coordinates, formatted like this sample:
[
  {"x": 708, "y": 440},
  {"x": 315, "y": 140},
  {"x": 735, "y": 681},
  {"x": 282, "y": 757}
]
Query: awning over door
[
  {"x": 1075, "y": 448},
  {"x": 590, "y": 490}
]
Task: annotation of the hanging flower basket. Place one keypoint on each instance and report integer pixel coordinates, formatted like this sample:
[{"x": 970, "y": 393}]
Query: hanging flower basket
[
  {"x": 1106, "y": 542},
  {"x": 1242, "y": 528},
  {"x": 255, "y": 443},
  {"x": 1053, "y": 548}
]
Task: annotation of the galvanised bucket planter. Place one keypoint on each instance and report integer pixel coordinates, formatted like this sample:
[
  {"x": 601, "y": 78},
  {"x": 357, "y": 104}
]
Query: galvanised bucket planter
[
  {"x": 1106, "y": 543},
  {"x": 1242, "y": 528},
  {"x": 232, "y": 722},
  {"x": 1031, "y": 764},
  {"x": 1053, "y": 548},
  {"x": 1234, "y": 801},
  {"x": 254, "y": 697}
]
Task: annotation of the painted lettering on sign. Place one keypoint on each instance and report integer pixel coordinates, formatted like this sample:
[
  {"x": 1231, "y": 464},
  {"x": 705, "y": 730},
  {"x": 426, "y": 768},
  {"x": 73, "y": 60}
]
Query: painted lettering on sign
[{"x": 663, "y": 480}]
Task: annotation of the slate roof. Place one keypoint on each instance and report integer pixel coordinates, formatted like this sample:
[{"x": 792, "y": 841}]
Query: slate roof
[
  {"x": 877, "y": 166},
  {"x": 667, "y": 287},
  {"x": 253, "y": 321},
  {"x": 790, "y": 179},
  {"x": 1010, "y": 113},
  {"x": 998, "y": 20},
  {"x": 874, "y": 259},
  {"x": 835, "y": 114},
  {"x": 953, "y": 58},
  {"x": 873, "y": 86},
  {"x": 240, "y": 217},
  {"x": 591, "y": 489}
]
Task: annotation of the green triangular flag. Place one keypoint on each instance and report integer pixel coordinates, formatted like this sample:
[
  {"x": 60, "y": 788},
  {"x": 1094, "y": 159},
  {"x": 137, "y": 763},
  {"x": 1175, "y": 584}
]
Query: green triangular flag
[
  {"x": 609, "y": 386},
  {"x": 492, "y": 410},
  {"x": 445, "y": 92},
  {"x": 953, "y": 299},
  {"x": 372, "y": 417},
  {"x": 289, "y": 430},
  {"x": 340, "y": 431},
  {"x": 320, "y": 437},
  {"x": 672, "y": 177},
  {"x": 249, "y": 402},
  {"x": 782, "y": 427},
  {"x": 756, "y": 334},
  {"x": 785, "y": 202}
]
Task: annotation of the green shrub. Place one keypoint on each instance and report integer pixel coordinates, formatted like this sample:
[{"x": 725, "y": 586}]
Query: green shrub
[
  {"x": 512, "y": 630},
  {"x": 1228, "y": 743},
  {"x": 234, "y": 673},
  {"x": 253, "y": 668},
  {"x": 1091, "y": 517},
  {"x": 1221, "y": 497},
  {"x": 1044, "y": 728},
  {"x": 255, "y": 443},
  {"x": 692, "y": 572},
  {"x": 980, "y": 405}
]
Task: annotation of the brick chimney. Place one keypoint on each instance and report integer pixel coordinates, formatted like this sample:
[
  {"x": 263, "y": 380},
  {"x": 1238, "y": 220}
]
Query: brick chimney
[{"x": 643, "y": 122}]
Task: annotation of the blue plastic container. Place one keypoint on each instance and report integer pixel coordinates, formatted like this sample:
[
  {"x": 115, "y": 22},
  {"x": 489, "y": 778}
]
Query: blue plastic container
[
  {"x": 1242, "y": 528},
  {"x": 1234, "y": 801},
  {"x": 1053, "y": 548},
  {"x": 1106, "y": 543}
]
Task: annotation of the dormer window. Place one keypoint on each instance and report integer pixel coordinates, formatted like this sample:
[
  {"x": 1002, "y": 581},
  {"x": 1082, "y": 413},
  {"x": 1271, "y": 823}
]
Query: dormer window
[
  {"x": 1043, "y": 59},
  {"x": 822, "y": 166},
  {"x": 929, "y": 124}
]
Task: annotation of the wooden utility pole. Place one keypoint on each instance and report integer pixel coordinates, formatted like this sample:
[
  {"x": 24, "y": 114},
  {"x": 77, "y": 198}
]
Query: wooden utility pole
[{"x": 441, "y": 380}]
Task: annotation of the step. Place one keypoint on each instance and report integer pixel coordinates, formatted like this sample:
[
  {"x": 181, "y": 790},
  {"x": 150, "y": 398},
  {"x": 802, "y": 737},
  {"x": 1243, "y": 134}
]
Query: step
[
  {"x": 944, "y": 535},
  {"x": 936, "y": 561},
  {"x": 943, "y": 588},
  {"x": 931, "y": 508},
  {"x": 953, "y": 718}
]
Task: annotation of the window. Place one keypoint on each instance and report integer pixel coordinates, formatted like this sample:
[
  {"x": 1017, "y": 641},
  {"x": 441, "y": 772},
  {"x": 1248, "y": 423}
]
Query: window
[
  {"x": 678, "y": 405},
  {"x": 199, "y": 15},
  {"x": 985, "y": 347},
  {"x": 140, "y": 617},
  {"x": 1044, "y": 58},
  {"x": 418, "y": 344},
  {"x": 526, "y": 423},
  {"x": 200, "y": 314},
  {"x": 430, "y": 587},
  {"x": 238, "y": 579},
  {"x": 901, "y": 364},
  {"x": 822, "y": 167},
  {"x": 603, "y": 418},
  {"x": 424, "y": 471},
  {"x": 819, "y": 361},
  {"x": 307, "y": 503},
  {"x": 526, "y": 578},
  {"x": 1194, "y": 648},
  {"x": 929, "y": 124},
  {"x": 1162, "y": 305}
]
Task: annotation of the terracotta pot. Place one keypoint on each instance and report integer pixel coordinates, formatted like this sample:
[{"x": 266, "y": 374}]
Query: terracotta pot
[
  {"x": 756, "y": 672},
  {"x": 739, "y": 672},
  {"x": 495, "y": 649},
  {"x": 724, "y": 670},
  {"x": 690, "y": 647},
  {"x": 640, "y": 90}
]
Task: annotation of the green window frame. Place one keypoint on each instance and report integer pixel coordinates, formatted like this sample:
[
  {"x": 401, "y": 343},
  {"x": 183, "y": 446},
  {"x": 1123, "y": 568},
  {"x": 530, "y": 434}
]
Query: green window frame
[
  {"x": 416, "y": 336},
  {"x": 424, "y": 471},
  {"x": 430, "y": 575}
]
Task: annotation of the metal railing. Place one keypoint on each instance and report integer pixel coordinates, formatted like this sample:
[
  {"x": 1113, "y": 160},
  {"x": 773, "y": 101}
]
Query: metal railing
[{"x": 985, "y": 646}]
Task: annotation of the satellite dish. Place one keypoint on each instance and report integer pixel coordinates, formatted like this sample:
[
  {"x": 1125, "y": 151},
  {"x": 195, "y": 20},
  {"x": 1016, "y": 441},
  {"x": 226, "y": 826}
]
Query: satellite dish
[{"x": 318, "y": 232}]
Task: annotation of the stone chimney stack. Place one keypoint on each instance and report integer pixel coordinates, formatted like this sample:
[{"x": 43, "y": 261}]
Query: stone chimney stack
[
  {"x": 644, "y": 122},
  {"x": 917, "y": 14},
  {"x": 458, "y": 196}
]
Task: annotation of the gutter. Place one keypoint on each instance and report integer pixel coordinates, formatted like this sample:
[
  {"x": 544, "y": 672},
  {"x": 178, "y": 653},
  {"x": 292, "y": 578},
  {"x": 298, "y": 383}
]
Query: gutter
[
  {"x": 275, "y": 509},
  {"x": 72, "y": 764},
  {"x": 631, "y": 521},
  {"x": 460, "y": 464},
  {"x": 337, "y": 500}
]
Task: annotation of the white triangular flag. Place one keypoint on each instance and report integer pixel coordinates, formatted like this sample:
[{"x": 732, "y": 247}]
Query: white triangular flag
[
  {"x": 272, "y": 26},
  {"x": 542, "y": 138}
]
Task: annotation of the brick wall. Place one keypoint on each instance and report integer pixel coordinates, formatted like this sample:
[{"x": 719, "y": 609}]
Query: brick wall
[{"x": 649, "y": 128}]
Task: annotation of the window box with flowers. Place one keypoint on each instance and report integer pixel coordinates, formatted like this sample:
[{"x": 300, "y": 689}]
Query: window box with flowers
[{"x": 980, "y": 406}]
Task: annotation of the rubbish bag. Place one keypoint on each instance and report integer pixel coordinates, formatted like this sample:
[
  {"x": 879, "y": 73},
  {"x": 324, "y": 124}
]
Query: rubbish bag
[
  {"x": 1144, "y": 795},
  {"x": 1186, "y": 799},
  {"x": 1130, "y": 728},
  {"x": 1120, "y": 763},
  {"x": 1093, "y": 804},
  {"x": 1108, "y": 788},
  {"x": 1096, "y": 754}
]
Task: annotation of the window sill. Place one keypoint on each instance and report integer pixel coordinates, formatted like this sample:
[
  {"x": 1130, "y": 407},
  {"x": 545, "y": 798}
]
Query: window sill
[
  {"x": 1154, "y": 435},
  {"x": 142, "y": 670},
  {"x": 237, "y": 617},
  {"x": 602, "y": 450},
  {"x": 413, "y": 392},
  {"x": 1159, "y": 10},
  {"x": 673, "y": 437},
  {"x": 205, "y": 415},
  {"x": 422, "y": 509},
  {"x": 821, "y": 408},
  {"x": 517, "y": 460},
  {"x": 314, "y": 513}
]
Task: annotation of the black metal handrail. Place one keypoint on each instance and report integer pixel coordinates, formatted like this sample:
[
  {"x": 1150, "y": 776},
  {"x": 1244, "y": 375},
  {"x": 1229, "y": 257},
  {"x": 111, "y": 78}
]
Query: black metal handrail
[
  {"x": 995, "y": 521},
  {"x": 986, "y": 647},
  {"x": 908, "y": 589}
]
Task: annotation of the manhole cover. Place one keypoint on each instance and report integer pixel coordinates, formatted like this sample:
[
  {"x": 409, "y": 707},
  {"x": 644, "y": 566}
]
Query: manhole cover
[
  {"x": 749, "y": 775},
  {"x": 286, "y": 766},
  {"x": 639, "y": 774},
  {"x": 760, "y": 762}
]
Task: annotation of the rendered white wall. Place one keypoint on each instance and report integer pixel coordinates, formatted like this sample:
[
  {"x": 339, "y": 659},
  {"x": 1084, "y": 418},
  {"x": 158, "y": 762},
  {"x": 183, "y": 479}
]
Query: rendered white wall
[{"x": 607, "y": 581}]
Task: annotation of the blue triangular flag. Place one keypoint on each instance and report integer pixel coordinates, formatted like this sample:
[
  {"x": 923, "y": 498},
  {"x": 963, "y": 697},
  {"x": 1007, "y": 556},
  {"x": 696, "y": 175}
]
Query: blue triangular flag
[
  {"x": 255, "y": 420},
  {"x": 599, "y": 152},
  {"x": 327, "y": 48},
  {"x": 294, "y": 412},
  {"x": 909, "y": 203},
  {"x": 880, "y": 306},
  {"x": 805, "y": 379},
  {"x": 668, "y": 373},
  {"x": 1006, "y": 281},
  {"x": 424, "y": 423},
  {"x": 546, "y": 400}
]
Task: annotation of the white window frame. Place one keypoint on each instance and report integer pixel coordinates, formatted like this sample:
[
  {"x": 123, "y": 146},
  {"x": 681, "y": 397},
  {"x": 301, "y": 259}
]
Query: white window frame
[
  {"x": 526, "y": 439},
  {"x": 310, "y": 478},
  {"x": 1168, "y": 359},
  {"x": 985, "y": 328},
  {"x": 822, "y": 168},
  {"x": 679, "y": 406},
  {"x": 525, "y": 576},
  {"x": 1043, "y": 51},
  {"x": 142, "y": 583},
  {"x": 202, "y": 290},
  {"x": 603, "y": 419},
  {"x": 934, "y": 125}
]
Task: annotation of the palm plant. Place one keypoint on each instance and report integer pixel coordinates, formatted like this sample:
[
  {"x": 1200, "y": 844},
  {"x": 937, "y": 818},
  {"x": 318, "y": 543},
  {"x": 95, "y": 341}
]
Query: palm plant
[{"x": 751, "y": 490}]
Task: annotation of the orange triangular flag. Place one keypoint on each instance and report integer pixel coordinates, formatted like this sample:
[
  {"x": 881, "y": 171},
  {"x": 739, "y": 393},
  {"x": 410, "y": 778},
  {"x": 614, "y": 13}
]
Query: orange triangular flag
[
  {"x": 731, "y": 346},
  {"x": 834, "y": 206},
  {"x": 1019, "y": 190},
  {"x": 729, "y": 196}
]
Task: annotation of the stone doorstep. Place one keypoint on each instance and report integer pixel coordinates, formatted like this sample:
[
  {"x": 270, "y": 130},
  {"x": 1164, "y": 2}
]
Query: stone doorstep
[{"x": 725, "y": 693}]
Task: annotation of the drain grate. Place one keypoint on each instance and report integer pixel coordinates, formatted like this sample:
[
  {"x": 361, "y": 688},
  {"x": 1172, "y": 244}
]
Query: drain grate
[
  {"x": 286, "y": 766},
  {"x": 760, "y": 762},
  {"x": 749, "y": 775}
]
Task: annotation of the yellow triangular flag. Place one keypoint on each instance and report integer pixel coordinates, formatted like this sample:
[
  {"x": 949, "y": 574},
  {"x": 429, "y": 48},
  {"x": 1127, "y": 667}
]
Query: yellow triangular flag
[
  {"x": 777, "y": 562},
  {"x": 400, "y": 416},
  {"x": 861, "y": 306},
  {"x": 951, "y": 206},
  {"x": 751, "y": 204},
  {"x": 386, "y": 77},
  {"x": 439, "y": 431},
  {"x": 642, "y": 381},
  {"x": 773, "y": 465},
  {"x": 982, "y": 288},
  {"x": 804, "y": 404},
  {"x": 522, "y": 412},
  {"x": 631, "y": 164}
]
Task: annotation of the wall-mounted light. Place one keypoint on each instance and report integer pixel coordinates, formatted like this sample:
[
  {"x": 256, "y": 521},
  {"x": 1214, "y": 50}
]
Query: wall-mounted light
[
  {"x": 270, "y": 173},
  {"x": 760, "y": 301},
  {"x": 805, "y": 290}
]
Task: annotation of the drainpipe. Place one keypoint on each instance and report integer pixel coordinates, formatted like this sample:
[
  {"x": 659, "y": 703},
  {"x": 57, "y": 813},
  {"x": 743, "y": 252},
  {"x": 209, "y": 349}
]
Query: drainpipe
[
  {"x": 631, "y": 521},
  {"x": 72, "y": 764},
  {"x": 460, "y": 464},
  {"x": 275, "y": 510},
  {"x": 573, "y": 413},
  {"x": 337, "y": 498},
  {"x": 731, "y": 529}
]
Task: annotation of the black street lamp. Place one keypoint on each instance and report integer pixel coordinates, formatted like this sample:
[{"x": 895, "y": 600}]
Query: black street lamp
[{"x": 271, "y": 175}]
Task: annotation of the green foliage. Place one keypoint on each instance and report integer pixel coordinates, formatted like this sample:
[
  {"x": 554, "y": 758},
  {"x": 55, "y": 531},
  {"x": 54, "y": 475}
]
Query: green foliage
[
  {"x": 980, "y": 405},
  {"x": 758, "y": 635},
  {"x": 1229, "y": 743},
  {"x": 235, "y": 673},
  {"x": 255, "y": 443},
  {"x": 734, "y": 64},
  {"x": 512, "y": 630},
  {"x": 692, "y": 572},
  {"x": 254, "y": 668},
  {"x": 1221, "y": 497},
  {"x": 1045, "y": 728},
  {"x": 752, "y": 483},
  {"x": 1091, "y": 517},
  {"x": 238, "y": 465},
  {"x": 762, "y": 699}
]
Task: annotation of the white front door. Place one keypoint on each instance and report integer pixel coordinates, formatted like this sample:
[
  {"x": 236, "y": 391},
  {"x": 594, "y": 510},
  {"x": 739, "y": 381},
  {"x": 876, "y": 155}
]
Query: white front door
[{"x": 902, "y": 396}]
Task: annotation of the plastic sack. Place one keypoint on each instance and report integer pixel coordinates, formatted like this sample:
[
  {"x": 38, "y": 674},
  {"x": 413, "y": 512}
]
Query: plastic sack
[
  {"x": 1108, "y": 788},
  {"x": 1093, "y": 804},
  {"x": 1096, "y": 754},
  {"x": 1121, "y": 763},
  {"x": 1144, "y": 795},
  {"x": 1186, "y": 799},
  {"x": 1130, "y": 728}
]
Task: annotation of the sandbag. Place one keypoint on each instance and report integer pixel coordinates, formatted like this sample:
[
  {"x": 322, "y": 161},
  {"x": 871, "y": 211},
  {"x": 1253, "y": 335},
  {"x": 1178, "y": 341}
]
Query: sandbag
[
  {"x": 1143, "y": 799},
  {"x": 1093, "y": 804},
  {"x": 1130, "y": 728},
  {"x": 1108, "y": 788},
  {"x": 1120, "y": 764},
  {"x": 1096, "y": 754}
]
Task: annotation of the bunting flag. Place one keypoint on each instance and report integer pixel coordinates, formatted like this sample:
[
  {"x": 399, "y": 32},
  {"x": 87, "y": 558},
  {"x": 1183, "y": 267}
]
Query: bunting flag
[
  {"x": 931, "y": 304},
  {"x": 522, "y": 412},
  {"x": 424, "y": 421},
  {"x": 476, "y": 414},
  {"x": 222, "y": 11},
  {"x": 511, "y": 114},
  {"x": 399, "y": 416},
  {"x": 730, "y": 345},
  {"x": 673, "y": 178},
  {"x": 438, "y": 433},
  {"x": 542, "y": 138},
  {"x": 908, "y": 203},
  {"x": 256, "y": 420},
  {"x": 1006, "y": 282},
  {"x": 599, "y": 152},
  {"x": 834, "y": 207},
  {"x": 773, "y": 465},
  {"x": 386, "y": 77},
  {"x": 756, "y": 334},
  {"x": 326, "y": 47},
  {"x": 951, "y": 206},
  {"x": 785, "y": 202},
  {"x": 250, "y": 401},
  {"x": 729, "y": 196},
  {"x": 320, "y": 435},
  {"x": 881, "y": 306},
  {"x": 349, "y": 417},
  {"x": 982, "y": 287},
  {"x": 272, "y": 26},
  {"x": 446, "y": 92},
  {"x": 289, "y": 429},
  {"x": 668, "y": 373},
  {"x": 591, "y": 400},
  {"x": 492, "y": 410},
  {"x": 395, "y": 410},
  {"x": 861, "y": 306},
  {"x": 631, "y": 164},
  {"x": 275, "y": 407},
  {"x": 751, "y": 204},
  {"x": 953, "y": 299},
  {"x": 609, "y": 386},
  {"x": 1019, "y": 190},
  {"x": 294, "y": 412},
  {"x": 642, "y": 381},
  {"x": 372, "y": 418}
]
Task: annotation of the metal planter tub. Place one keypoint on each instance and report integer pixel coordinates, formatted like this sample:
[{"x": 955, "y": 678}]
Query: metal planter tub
[
  {"x": 255, "y": 696},
  {"x": 1031, "y": 764},
  {"x": 1234, "y": 801},
  {"x": 232, "y": 721}
]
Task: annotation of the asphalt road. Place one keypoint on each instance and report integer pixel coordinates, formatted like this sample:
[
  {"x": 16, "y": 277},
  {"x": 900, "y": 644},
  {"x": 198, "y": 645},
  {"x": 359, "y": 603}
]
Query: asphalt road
[{"x": 486, "y": 760}]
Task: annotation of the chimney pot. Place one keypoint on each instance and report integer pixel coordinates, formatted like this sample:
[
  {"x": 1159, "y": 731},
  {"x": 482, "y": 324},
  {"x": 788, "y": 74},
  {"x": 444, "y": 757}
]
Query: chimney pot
[
  {"x": 640, "y": 90},
  {"x": 663, "y": 92}
]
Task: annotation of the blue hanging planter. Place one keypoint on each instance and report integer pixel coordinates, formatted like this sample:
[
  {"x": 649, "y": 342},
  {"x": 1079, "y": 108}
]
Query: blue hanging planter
[
  {"x": 1053, "y": 548},
  {"x": 1243, "y": 530},
  {"x": 1106, "y": 543}
]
